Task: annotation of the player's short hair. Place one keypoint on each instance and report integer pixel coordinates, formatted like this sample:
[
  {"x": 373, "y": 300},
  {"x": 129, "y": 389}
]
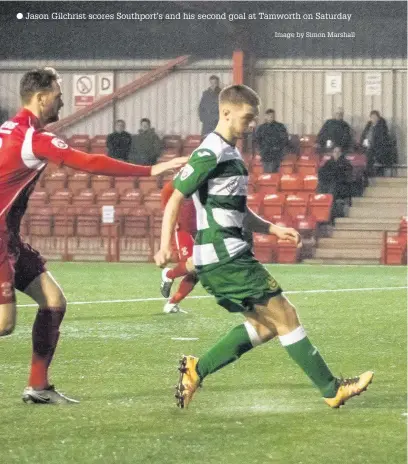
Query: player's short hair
[
  {"x": 239, "y": 95},
  {"x": 270, "y": 111},
  {"x": 37, "y": 80},
  {"x": 145, "y": 120}
]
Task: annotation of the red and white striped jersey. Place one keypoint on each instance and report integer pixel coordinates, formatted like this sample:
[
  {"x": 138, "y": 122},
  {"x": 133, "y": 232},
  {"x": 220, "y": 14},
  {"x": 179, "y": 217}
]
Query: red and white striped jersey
[{"x": 25, "y": 149}]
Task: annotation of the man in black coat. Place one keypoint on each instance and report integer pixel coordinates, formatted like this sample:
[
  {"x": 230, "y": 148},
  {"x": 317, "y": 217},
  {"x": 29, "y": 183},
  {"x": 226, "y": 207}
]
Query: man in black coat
[
  {"x": 377, "y": 142},
  {"x": 335, "y": 133},
  {"x": 208, "y": 109},
  {"x": 336, "y": 177},
  {"x": 272, "y": 138},
  {"x": 118, "y": 142},
  {"x": 146, "y": 145}
]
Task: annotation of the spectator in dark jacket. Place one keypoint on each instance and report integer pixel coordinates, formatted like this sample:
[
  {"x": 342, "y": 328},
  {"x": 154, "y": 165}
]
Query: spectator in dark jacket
[
  {"x": 208, "y": 109},
  {"x": 146, "y": 145},
  {"x": 335, "y": 177},
  {"x": 272, "y": 138},
  {"x": 377, "y": 142},
  {"x": 335, "y": 133},
  {"x": 118, "y": 142}
]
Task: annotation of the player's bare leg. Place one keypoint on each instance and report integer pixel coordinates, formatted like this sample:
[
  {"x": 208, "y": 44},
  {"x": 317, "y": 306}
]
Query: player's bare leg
[
  {"x": 281, "y": 314},
  {"x": 8, "y": 315},
  {"x": 45, "y": 291},
  {"x": 238, "y": 341}
]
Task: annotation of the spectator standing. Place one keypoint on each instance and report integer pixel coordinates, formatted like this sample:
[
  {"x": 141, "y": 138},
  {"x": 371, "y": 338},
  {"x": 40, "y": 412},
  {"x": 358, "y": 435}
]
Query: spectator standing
[
  {"x": 335, "y": 177},
  {"x": 335, "y": 133},
  {"x": 208, "y": 109},
  {"x": 146, "y": 145},
  {"x": 118, "y": 142},
  {"x": 377, "y": 142},
  {"x": 272, "y": 138}
]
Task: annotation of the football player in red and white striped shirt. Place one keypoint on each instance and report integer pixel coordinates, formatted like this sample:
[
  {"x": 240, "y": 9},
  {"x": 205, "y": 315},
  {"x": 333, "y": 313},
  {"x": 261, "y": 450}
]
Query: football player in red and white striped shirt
[{"x": 25, "y": 149}]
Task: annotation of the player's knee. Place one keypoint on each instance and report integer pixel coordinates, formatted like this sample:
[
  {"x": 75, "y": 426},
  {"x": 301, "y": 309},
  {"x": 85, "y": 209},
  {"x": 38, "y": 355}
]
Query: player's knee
[{"x": 56, "y": 300}]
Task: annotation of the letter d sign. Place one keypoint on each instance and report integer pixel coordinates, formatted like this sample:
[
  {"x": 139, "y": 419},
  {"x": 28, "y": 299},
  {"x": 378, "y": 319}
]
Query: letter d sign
[{"x": 105, "y": 83}]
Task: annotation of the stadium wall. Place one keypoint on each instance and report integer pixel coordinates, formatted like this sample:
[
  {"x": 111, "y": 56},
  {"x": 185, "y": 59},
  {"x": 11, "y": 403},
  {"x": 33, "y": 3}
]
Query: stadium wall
[{"x": 295, "y": 88}]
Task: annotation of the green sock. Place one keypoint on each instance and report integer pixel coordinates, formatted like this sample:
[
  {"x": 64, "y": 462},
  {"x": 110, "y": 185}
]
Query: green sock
[
  {"x": 227, "y": 350},
  {"x": 304, "y": 354}
]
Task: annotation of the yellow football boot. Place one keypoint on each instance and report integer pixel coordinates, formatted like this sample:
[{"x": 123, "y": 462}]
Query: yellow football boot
[
  {"x": 188, "y": 382},
  {"x": 349, "y": 388}
]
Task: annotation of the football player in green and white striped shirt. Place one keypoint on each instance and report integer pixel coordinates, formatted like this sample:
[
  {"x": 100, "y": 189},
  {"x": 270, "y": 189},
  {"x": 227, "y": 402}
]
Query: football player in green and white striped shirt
[{"x": 216, "y": 178}]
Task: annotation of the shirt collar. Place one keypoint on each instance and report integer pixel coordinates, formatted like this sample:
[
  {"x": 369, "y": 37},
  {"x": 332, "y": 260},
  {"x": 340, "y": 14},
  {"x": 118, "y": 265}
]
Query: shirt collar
[{"x": 27, "y": 115}]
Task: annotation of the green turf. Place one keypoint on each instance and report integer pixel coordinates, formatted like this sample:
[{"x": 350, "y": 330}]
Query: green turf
[{"x": 120, "y": 360}]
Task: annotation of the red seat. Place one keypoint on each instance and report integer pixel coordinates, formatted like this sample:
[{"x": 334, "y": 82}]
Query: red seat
[
  {"x": 310, "y": 183},
  {"x": 153, "y": 203},
  {"x": 84, "y": 198},
  {"x": 56, "y": 180},
  {"x": 254, "y": 201},
  {"x": 305, "y": 225},
  {"x": 131, "y": 198},
  {"x": 172, "y": 143},
  {"x": 88, "y": 222},
  {"x": 98, "y": 144},
  {"x": 78, "y": 181},
  {"x": 191, "y": 142},
  {"x": 403, "y": 227},
  {"x": 80, "y": 142},
  {"x": 135, "y": 223},
  {"x": 108, "y": 197},
  {"x": 265, "y": 247},
  {"x": 320, "y": 206},
  {"x": 122, "y": 184},
  {"x": 267, "y": 184},
  {"x": 60, "y": 200},
  {"x": 40, "y": 222},
  {"x": 101, "y": 183},
  {"x": 282, "y": 220},
  {"x": 291, "y": 183},
  {"x": 256, "y": 166},
  {"x": 147, "y": 184},
  {"x": 396, "y": 251},
  {"x": 38, "y": 198},
  {"x": 307, "y": 164},
  {"x": 287, "y": 252},
  {"x": 287, "y": 166},
  {"x": 295, "y": 204},
  {"x": 64, "y": 223},
  {"x": 273, "y": 205}
]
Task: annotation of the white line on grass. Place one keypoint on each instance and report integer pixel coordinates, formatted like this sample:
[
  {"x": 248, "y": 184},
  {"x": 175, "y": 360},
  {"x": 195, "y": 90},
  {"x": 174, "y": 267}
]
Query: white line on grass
[{"x": 293, "y": 292}]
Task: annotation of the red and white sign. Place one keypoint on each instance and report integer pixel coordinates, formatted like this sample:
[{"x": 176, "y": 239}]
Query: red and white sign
[{"x": 84, "y": 89}]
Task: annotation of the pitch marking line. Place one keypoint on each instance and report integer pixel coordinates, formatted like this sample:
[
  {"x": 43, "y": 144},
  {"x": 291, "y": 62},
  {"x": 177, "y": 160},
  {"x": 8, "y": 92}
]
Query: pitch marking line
[{"x": 293, "y": 292}]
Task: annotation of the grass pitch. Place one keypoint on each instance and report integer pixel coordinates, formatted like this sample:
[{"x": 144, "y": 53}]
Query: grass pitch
[{"x": 120, "y": 360}]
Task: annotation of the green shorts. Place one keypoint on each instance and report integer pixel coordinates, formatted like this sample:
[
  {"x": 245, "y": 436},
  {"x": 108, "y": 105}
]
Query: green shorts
[{"x": 240, "y": 284}]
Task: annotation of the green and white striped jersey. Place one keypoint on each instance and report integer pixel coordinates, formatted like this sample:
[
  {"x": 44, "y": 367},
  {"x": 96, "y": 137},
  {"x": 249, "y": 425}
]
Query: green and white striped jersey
[{"x": 217, "y": 179}]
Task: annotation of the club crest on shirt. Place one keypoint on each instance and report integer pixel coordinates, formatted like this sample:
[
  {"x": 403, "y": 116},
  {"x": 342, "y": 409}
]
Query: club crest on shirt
[
  {"x": 59, "y": 143},
  {"x": 186, "y": 172}
]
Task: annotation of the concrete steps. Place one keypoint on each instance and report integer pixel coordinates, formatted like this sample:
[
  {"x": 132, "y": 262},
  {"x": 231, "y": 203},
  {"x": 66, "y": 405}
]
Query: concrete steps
[
  {"x": 348, "y": 261},
  {"x": 357, "y": 239},
  {"x": 346, "y": 253},
  {"x": 342, "y": 243}
]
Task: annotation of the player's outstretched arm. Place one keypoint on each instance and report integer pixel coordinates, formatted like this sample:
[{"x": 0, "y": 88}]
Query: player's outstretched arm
[
  {"x": 46, "y": 145},
  {"x": 255, "y": 223},
  {"x": 171, "y": 211},
  {"x": 175, "y": 163}
]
